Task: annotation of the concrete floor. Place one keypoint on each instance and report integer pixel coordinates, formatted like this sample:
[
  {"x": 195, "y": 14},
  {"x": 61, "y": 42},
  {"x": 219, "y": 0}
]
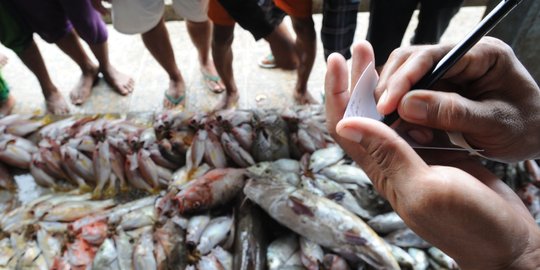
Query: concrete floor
[{"x": 258, "y": 87}]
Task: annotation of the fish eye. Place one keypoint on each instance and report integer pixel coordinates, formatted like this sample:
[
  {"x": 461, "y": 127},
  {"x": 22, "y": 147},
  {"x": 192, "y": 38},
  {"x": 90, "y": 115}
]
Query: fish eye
[{"x": 196, "y": 204}]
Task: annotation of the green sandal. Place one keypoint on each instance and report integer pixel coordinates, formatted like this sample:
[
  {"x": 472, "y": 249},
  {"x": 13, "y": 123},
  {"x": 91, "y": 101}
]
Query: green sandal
[
  {"x": 174, "y": 101},
  {"x": 208, "y": 78}
]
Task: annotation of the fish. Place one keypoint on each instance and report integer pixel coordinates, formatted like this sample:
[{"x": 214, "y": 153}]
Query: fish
[
  {"x": 251, "y": 239},
  {"x": 148, "y": 168},
  {"x": 37, "y": 169},
  {"x": 124, "y": 249},
  {"x": 79, "y": 163},
  {"x": 233, "y": 149},
  {"x": 406, "y": 238},
  {"x": 171, "y": 238},
  {"x": 224, "y": 258},
  {"x": 102, "y": 168},
  {"x": 214, "y": 154},
  {"x": 133, "y": 176},
  {"x": 217, "y": 231},
  {"x": 214, "y": 188},
  {"x": 195, "y": 228},
  {"x": 280, "y": 250},
  {"x": 335, "y": 262},
  {"x": 322, "y": 221},
  {"x": 442, "y": 259},
  {"x": 325, "y": 157},
  {"x": 244, "y": 135},
  {"x": 95, "y": 233},
  {"x": 106, "y": 256},
  {"x": 14, "y": 153},
  {"x": 73, "y": 210},
  {"x": 138, "y": 218},
  {"x": 387, "y": 223},
  {"x": 311, "y": 255},
  {"x": 347, "y": 174},
  {"x": 403, "y": 258},
  {"x": 49, "y": 245},
  {"x": 420, "y": 258},
  {"x": 80, "y": 254},
  {"x": 341, "y": 195},
  {"x": 143, "y": 252}
]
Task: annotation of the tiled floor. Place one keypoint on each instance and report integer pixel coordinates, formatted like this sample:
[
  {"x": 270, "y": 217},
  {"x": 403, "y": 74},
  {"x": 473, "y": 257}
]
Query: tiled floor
[{"x": 258, "y": 87}]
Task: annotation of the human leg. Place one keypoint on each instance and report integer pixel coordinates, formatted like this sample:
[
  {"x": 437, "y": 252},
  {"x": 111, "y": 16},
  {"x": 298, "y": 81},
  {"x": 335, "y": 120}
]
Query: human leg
[
  {"x": 93, "y": 31},
  {"x": 200, "y": 31},
  {"x": 338, "y": 26},
  {"x": 17, "y": 36},
  {"x": 71, "y": 46},
  {"x": 388, "y": 20},
  {"x": 54, "y": 101},
  {"x": 223, "y": 56},
  {"x": 306, "y": 47},
  {"x": 157, "y": 41},
  {"x": 305, "y": 44},
  {"x": 433, "y": 20}
]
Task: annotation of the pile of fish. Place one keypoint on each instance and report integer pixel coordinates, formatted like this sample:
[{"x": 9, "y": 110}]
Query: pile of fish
[{"x": 226, "y": 190}]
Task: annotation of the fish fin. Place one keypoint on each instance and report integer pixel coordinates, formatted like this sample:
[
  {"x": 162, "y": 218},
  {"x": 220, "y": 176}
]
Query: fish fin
[
  {"x": 354, "y": 238},
  {"x": 298, "y": 206}
]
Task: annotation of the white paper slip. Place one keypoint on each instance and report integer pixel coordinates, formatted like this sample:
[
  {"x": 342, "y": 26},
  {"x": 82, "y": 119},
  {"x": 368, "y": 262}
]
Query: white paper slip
[{"x": 362, "y": 101}]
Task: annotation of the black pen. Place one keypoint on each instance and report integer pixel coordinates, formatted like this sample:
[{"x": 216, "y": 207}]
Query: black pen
[{"x": 494, "y": 17}]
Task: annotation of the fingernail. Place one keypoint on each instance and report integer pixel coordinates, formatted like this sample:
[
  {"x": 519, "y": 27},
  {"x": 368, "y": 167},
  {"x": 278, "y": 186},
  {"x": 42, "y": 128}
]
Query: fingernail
[
  {"x": 415, "y": 109},
  {"x": 350, "y": 134}
]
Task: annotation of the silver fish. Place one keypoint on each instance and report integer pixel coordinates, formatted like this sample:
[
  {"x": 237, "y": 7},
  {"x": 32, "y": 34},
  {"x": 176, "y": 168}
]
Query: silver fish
[
  {"x": 213, "y": 151},
  {"x": 217, "y": 230},
  {"x": 387, "y": 223},
  {"x": 325, "y": 157},
  {"x": 70, "y": 211},
  {"x": 347, "y": 174},
  {"x": 106, "y": 256},
  {"x": 224, "y": 257},
  {"x": 280, "y": 250},
  {"x": 148, "y": 168},
  {"x": 312, "y": 254},
  {"x": 403, "y": 258},
  {"x": 335, "y": 192},
  {"x": 133, "y": 175},
  {"x": 143, "y": 253},
  {"x": 442, "y": 259},
  {"x": 13, "y": 154},
  {"x": 139, "y": 218},
  {"x": 79, "y": 163},
  {"x": 233, "y": 149},
  {"x": 124, "y": 248},
  {"x": 420, "y": 258},
  {"x": 406, "y": 238},
  {"x": 195, "y": 228},
  {"x": 102, "y": 168},
  {"x": 321, "y": 220}
]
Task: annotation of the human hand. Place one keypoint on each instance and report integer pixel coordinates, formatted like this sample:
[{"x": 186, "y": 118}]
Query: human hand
[
  {"x": 463, "y": 209},
  {"x": 488, "y": 96},
  {"x": 98, "y": 5}
]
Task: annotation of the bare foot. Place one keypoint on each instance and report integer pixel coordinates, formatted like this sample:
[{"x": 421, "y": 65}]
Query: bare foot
[
  {"x": 82, "y": 91},
  {"x": 7, "y": 106},
  {"x": 120, "y": 82},
  {"x": 229, "y": 101},
  {"x": 175, "y": 95},
  {"x": 3, "y": 60},
  {"x": 56, "y": 104},
  {"x": 304, "y": 98},
  {"x": 211, "y": 78}
]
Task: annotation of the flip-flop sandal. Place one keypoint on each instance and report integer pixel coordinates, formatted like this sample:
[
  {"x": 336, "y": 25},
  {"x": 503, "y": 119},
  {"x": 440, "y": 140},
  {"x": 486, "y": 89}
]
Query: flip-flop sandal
[
  {"x": 212, "y": 78},
  {"x": 267, "y": 61},
  {"x": 174, "y": 101}
]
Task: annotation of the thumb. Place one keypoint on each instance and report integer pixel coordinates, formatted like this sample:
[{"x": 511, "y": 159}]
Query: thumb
[
  {"x": 446, "y": 111},
  {"x": 391, "y": 162}
]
